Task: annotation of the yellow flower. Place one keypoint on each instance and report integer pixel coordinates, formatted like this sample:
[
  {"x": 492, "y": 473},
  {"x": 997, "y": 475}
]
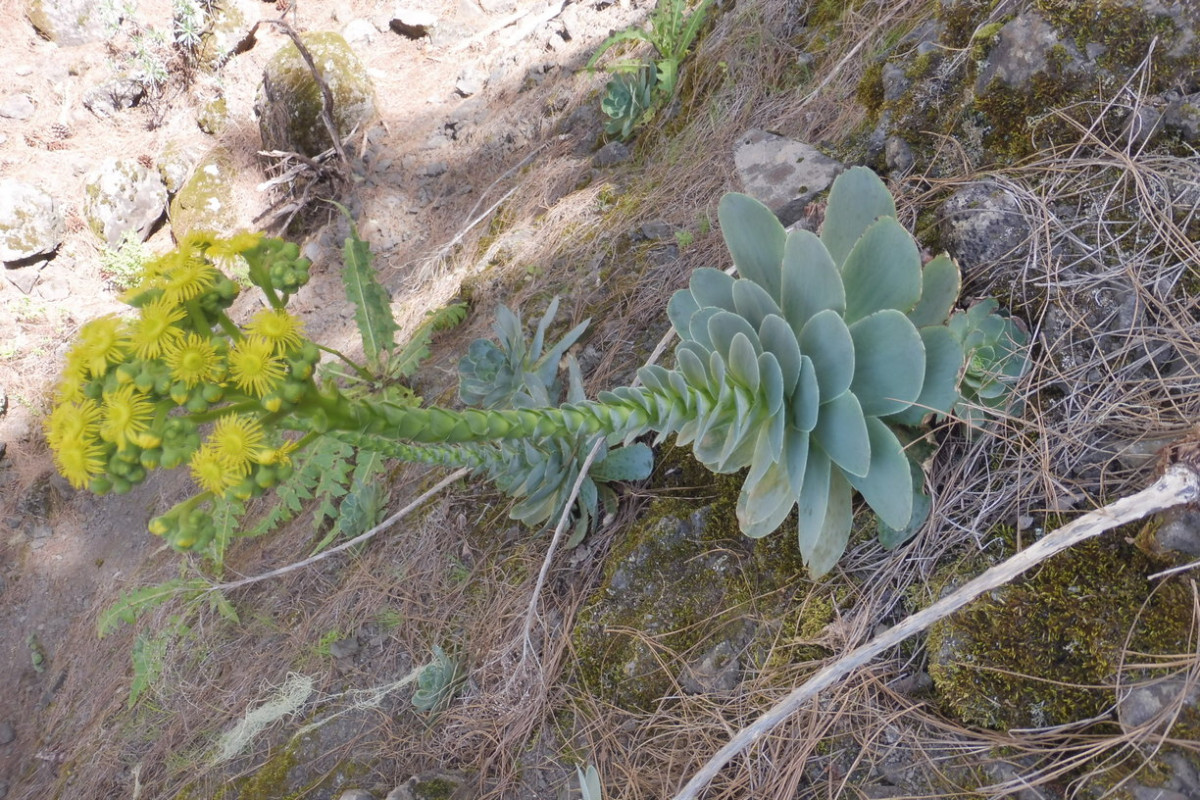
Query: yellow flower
[
  {"x": 237, "y": 441},
  {"x": 253, "y": 366},
  {"x": 284, "y": 331},
  {"x": 281, "y": 455},
  {"x": 209, "y": 471},
  {"x": 235, "y": 245},
  {"x": 79, "y": 459},
  {"x": 69, "y": 388},
  {"x": 101, "y": 342},
  {"x": 190, "y": 276},
  {"x": 126, "y": 413},
  {"x": 193, "y": 359},
  {"x": 70, "y": 421},
  {"x": 156, "y": 328}
]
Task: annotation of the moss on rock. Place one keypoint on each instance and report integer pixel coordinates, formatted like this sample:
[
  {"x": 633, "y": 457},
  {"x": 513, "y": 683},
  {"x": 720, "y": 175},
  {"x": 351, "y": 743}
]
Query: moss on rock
[
  {"x": 1046, "y": 649},
  {"x": 205, "y": 201}
]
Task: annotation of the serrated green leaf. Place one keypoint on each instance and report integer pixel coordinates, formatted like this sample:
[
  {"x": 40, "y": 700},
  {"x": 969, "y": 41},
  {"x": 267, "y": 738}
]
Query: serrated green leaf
[
  {"x": 131, "y": 605},
  {"x": 148, "y": 655},
  {"x": 220, "y": 603},
  {"x": 889, "y": 367},
  {"x": 372, "y": 307},
  {"x": 827, "y": 342},
  {"x": 858, "y": 198},
  {"x": 811, "y": 281},
  {"x": 841, "y": 431},
  {"x": 755, "y": 240},
  {"x": 883, "y": 270}
]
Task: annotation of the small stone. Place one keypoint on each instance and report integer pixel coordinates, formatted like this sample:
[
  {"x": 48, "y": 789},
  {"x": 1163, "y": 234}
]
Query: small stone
[
  {"x": 469, "y": 82},
  {"x": 898, "y": 155},
  {"x": 356, "y": 794},
  {"x": 360, "y": 31},
  {"x": 783, "y": 174},
  {"x": 611, "y": 154},
  {"x": 1179, "y": 531},
  {"x": 7, "y": 734},
  {"x": 17, "y": 106},
  {"x": 345, "y": 648},
  {"x": 1147, "y": 702},
  {"x": 31, "y": 223},
  {"x": 433, "y": 169},
  {"x": 22, "y": 70},
  {"x": 656, "y": 230},
  {"x": 105, "y": 101}
]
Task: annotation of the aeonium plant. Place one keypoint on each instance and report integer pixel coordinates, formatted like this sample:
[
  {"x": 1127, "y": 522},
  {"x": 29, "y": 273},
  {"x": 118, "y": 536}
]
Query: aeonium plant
[{"x": 813, "y": 370}]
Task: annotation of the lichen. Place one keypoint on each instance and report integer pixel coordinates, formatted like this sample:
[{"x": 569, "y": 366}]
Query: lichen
[{"x": 1047, "y": 648}]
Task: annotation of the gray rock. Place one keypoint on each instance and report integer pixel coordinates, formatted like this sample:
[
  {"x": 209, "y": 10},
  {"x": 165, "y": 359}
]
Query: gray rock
[
  {"x": 429, "y": 786},
  {"x": 657, "y": 230},
  {"x": 1179, "y": 531},
  {"x": 17, "y": 106},
  {"x": 122, "y": 196},
  {"x": 1142, "y": 123},
  {"x": 1140, "y": 792},
  {"x": 898, "y": 155},
  {"x": 289, "y": 101},
  {"x": 7, "y": 734},
  {"x": 470, "y": 81},
  {"x": 3, "y": 789},
  {"x": 982, "y": 225},
  {"x": 205, "y": 201},
  {"x": 1146, "y": 703},
  {"x": 356, "y": 794},
  {"x": 115, "y": 96},
  {"x": 718, "y": 670},
  {"x": 228, "y": 31},
  {"x": 412, "y": 22},
  {"x": 1024, "y": 50},
  {"x": 175, "y": 164},
  {"x": 68, "y": 22},
  {"x": 610, "y": 155},
  {"x": 784, "y": 174},
  {"x": 31, "y": 223},
  {"x": 895, "y": 82},
  {"x": 345, "y": 648},
  {"x": 1182, "y": 117}
]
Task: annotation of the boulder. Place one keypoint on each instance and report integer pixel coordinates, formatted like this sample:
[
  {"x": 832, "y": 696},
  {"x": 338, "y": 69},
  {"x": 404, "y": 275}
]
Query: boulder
[
  {"x": 982, "y": 226},
  {"x": 289, "y": 100},
  {"x": 228, "y": 31},
  {"x": 31, "y": 223},
  {"x": 205, "y": 201},
  {"x": 784, "y": 174},
  {"x": 123, "y": 195},
  {"x": 68, "y": 22}
]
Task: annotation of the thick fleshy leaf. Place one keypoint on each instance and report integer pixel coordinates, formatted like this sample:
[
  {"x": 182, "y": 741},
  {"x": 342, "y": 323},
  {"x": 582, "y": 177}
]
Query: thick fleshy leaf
[
  {"x": 827, "y": 341},
  {"x": 763, "y": 505},
  {"x": 941, "y": 283},
  {"x": 891, "y": 538},
  {"x": 743, "y": 363},
  {"x": 795, "y": 452},
  {"x": 857, "y": 199},
  {"x": 882, "y": 271},
  {"x": 698, "y": 327},
  {"x": 943, "y": 365},
  {"x": 778, "y": 338},
  {"x": 813, "y": 500},
  {"x": 755, "y": 239},
  {"x": 806, "y": 400},
  {"x": 633, "y": 462},
  {"x": 889, "y": 365},
  {"x": 723, "y": 326},
  {"x": 842, "y": 433},
  {"x": 887, "y": 487},
  {"x": 692, "y": 365},
  {"x": 811, "y": 281},
  {"x": 835, "y": 532},
  {"x": 712, "y": 287},
  {"x": 656, "y": 378},
  {"x": 753, "y": 302},
  {"x": 771, "y": 384},
  {"x": 680, "y": 309}
]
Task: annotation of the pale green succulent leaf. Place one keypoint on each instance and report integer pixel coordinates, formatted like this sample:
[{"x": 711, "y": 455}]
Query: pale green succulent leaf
[
  {"x": 826, "y": 340},
  {"x": 752, "y": 302},
  {"x": 841, "y": 431},
  {"x": 943, "y": 365},
  {"x": 778, "y": 339},
  {"x": 692, "y": 365},
  {"x": 765, "y": 503},
  {"x": 887, "y": 487},
  {"x": 811, "y": 281},
  {"x": 806, "y": 399},
  {"x": 941, "y": 283},
  {"x": 655, "y": 378},
  {"x": 698, "y": 327},
  {"x": 724, "y": 326},
  {"x": 835, "y": 530},
  {"x": 716, "y": 372},
  {"x": 891, "y": 538},
  {"x": 633, "y": 462},
  {"x": 771, "y": 384},
  {"x": 680, "y": 309},
  {"x": 889, "y": 367},
  {"x": 883, "y": 270},
  {"x": 813, "y": 500},
  {"x": 858, "y": 198},
  {"x": 755, "y": 239},
  {"x": 743, "y": 363},
  {"x": 712, "y": 287},
  {"x": 795, "y": 452}
]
